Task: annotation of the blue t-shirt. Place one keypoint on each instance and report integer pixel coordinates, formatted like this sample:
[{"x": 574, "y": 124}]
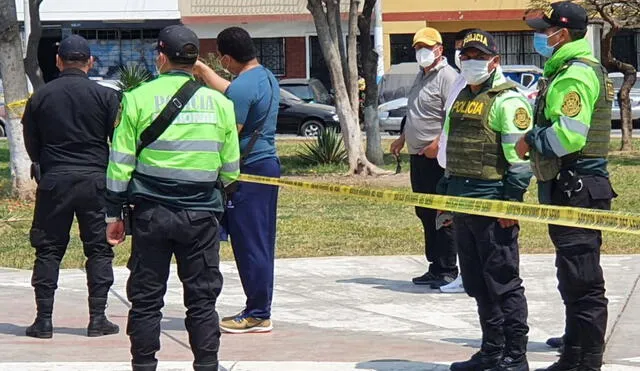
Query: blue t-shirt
[{"x": 256, "y": 103}]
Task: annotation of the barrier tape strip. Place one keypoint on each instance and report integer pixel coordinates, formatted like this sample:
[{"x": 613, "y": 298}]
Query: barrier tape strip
[{"x": 566, "y": 216}]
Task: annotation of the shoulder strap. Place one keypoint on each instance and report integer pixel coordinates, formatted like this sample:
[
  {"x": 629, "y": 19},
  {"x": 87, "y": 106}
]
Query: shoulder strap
[
  {"x": 168, "y": 114},
  {"x": 258, "y": 131}
]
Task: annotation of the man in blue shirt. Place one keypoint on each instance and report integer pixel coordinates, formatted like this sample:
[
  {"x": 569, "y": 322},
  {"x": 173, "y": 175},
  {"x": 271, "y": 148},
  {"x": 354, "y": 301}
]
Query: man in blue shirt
[{"x": 250, "y": 218}]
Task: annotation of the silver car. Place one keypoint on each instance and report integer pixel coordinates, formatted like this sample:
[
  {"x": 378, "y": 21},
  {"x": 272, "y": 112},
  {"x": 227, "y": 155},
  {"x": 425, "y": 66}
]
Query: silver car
[{"x": 617, "y": 78}]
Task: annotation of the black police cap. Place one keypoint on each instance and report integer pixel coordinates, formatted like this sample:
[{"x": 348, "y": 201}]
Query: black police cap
[
  {"x": 179, "y": 44},
  {"x": 563, "y": 14},
  {"x": 481, "y": 40},
  {"x": 74, "y": 48}
]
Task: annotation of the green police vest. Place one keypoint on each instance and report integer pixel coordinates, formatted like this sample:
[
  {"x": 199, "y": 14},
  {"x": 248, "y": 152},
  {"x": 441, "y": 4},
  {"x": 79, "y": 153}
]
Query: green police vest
[
  {"x": 599, "y": 135},
  {"x": 474, "y": 149}
]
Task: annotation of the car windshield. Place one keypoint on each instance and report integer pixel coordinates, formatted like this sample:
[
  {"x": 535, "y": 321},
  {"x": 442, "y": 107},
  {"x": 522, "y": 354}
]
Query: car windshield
[
  {"x": 301, "y": 91},
  {"x": 285, "y": 95},
  {"x": 617, "y": 82},
  {"x": 320, "y": 91}
]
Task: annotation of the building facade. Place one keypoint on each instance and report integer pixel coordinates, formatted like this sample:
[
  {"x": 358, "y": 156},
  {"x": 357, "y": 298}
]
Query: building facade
[{"x": 120, "y": 32}]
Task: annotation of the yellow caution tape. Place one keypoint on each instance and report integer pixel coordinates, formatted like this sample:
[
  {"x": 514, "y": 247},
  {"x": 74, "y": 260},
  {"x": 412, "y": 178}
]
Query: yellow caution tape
[
  {"x": 565, "y": 216},
  {"x": 17, "y": 106}
]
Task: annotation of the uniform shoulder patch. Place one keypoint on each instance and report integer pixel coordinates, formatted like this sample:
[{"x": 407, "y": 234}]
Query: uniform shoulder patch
[
  {"x": 571, "y": 104},
  {"x": 521, "y": 119}
]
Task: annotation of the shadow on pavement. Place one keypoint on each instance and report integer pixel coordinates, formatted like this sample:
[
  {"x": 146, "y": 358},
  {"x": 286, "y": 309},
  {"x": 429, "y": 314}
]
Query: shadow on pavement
[
  {"x": 532, "y": 346},
  {"x": 400, "y": 365},
  {"x": 393, "y": 285},
  {"x": 11, "y": 329}
]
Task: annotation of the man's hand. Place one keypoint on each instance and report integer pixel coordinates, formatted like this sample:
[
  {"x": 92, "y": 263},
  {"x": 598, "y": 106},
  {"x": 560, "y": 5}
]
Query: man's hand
[
  {"x": 507, "y": 223},
  {"x": 522, "y": 147},
  {"x": 115, "y": 233},
  {"x": 430, "y": 151},
  {"x": 397, "y": 146},
  {"x": 200, "y": 69}
]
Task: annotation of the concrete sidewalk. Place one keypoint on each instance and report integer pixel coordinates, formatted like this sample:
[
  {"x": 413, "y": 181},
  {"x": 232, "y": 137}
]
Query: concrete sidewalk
[{"x": 353, "y": 313}]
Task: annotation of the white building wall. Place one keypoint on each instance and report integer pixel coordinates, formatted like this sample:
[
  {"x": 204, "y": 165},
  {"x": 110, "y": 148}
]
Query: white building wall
[{"x": 110, "y": 10}]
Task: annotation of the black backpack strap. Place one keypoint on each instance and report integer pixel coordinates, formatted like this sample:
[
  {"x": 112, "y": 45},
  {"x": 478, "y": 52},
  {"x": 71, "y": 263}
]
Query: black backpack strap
[
  {"x": 258, "y": 131},
  {"x": 168, "y": 114}
]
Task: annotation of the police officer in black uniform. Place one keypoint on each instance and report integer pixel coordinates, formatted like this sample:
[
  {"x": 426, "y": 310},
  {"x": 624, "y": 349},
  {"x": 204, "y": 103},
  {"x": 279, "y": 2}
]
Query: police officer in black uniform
[{"x": 66, "y": 126}]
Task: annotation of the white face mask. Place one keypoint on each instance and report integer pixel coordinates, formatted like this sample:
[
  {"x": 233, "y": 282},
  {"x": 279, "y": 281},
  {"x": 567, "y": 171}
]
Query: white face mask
[
  {"x": 457, "y": 60},
  {"x": 475, "y": 71},
  {"x": 425, "y": 57}
]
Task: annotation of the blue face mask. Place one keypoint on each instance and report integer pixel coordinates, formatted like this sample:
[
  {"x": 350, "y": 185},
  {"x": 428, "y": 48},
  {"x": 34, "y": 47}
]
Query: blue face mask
[{"x": 541, "y": 44}]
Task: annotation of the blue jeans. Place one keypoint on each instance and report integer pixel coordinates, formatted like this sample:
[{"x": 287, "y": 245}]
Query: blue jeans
[{"x": 250, "y": 220}]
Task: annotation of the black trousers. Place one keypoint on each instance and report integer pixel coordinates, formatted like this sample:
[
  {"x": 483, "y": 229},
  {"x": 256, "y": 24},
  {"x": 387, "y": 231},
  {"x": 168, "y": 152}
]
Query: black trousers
[
  {"x": 490, "y": 266},
  {"x": 193, "y": 237},
  {"x": 439, "y": 247},
  {"x": 60, "y": 196},
  {"x": 580, "y": 276}
]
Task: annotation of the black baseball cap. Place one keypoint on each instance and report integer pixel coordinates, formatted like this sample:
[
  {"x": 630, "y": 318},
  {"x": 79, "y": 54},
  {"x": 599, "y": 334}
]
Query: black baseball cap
[
  {"x": 179, "y": 44},
  {"x": 74, "y": 48},
  {"x": 481, "y": 40},
  {"x": 563, "y": 14}
]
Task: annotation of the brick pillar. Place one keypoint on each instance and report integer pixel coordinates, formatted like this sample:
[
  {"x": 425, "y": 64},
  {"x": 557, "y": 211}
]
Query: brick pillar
[
  {"x": 295, "y": 57},
  {"x": 208, "y": 46}
]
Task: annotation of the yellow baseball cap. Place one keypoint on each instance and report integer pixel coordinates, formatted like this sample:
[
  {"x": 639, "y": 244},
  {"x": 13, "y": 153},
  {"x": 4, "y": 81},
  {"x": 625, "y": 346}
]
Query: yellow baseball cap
[{"x": 429, "y": 36}]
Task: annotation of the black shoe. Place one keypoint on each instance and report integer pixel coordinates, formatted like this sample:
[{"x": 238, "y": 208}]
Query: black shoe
[
  {"x": 99, "y": 325},
  {"x": 591, "y": 360},
  {"x": 480, "y": 361},
  {"x": 510, "y": 364},
  {"x": 42, "y": 328},
  {"x": 442, "y": 281},
  {"x": 426, "y": 279},
  {"x": 569, "y": 360},
  {"x": 144, "y": 367},
  {"x": 555, "y": 342}
]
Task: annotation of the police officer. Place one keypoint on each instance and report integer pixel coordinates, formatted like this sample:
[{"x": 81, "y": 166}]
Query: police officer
[
  {"x": 172, "y": 185},
  {"x": 482, "y": 128},
  {"x": 568, "y": 147},
  {"x": 66, "y": 127}
]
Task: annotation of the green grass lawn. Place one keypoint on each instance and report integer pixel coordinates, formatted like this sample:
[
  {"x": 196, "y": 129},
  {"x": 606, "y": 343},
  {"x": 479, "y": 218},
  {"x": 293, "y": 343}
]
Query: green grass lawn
[{"x": 320, "y": 224}]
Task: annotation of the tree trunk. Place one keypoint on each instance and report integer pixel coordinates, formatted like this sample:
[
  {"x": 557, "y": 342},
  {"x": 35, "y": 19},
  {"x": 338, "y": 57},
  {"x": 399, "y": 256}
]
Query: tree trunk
[
  {"x": 624, "y": 100},
  {"x": 15, "y": 89},
  {"x": 352, "y": 57},
  {"x": 31, "y": 65},
  {"x": 369, "y": 62},
  {"x": 358, "y": 163}
]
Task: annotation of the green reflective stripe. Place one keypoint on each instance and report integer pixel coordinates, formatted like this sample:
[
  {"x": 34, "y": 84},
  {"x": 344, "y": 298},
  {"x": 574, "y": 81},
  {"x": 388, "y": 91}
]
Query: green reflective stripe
[
  {"x": 231, "y": 167},
  {"x": 186, "y": 145},
  {"x": 555, "y": 144},
  {"x": 520, "y": 167},
  {"x": 575, "y": 126},
  {"x": 511, "y": 138},
  {"x": 122, "y": 158},
  {"x": 118, "y": 186},
  {"x": 188, "y": 175},
  {"x": 181, "y": 160}
]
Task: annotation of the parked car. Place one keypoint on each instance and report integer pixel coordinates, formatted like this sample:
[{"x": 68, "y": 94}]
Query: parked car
[
  {"x": 525, "y": 75},
  {"x": 618, "y": 78},
  {"x": 296, "y": 116},
  {"x": 309, "y": 90}
]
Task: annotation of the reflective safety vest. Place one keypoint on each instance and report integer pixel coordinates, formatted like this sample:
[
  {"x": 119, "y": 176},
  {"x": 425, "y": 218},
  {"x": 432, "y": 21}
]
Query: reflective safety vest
[
  {"x": 474, "y": 149},
  {"x": 599, "y": 135}
]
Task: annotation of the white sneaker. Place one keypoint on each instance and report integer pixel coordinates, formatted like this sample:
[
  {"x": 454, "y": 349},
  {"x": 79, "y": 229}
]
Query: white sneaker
[{"x": 454, "y": 287}]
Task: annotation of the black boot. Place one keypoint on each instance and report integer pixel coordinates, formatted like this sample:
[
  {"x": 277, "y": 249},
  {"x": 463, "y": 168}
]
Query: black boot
[
  {"x": 591, "y": 360},
  {"x": 205, "y": 367},
  {"x": 144, "y": 367},
  {"x": 489, "y": 355},
  {"x": 515, "y": 356},
  {"x": 99, "y": 325},
  {"x": 42, "y": 327},
  {"x": 569, "y": 360}
]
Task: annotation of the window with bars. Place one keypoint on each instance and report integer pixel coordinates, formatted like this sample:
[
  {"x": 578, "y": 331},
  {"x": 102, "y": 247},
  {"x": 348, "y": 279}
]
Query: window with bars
[
  {"x": 113, "y": 48},
  {"x": 402, "y": 49},
  {"x": 517, "y": 48},
  {"x": 271, "y": 54}
]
